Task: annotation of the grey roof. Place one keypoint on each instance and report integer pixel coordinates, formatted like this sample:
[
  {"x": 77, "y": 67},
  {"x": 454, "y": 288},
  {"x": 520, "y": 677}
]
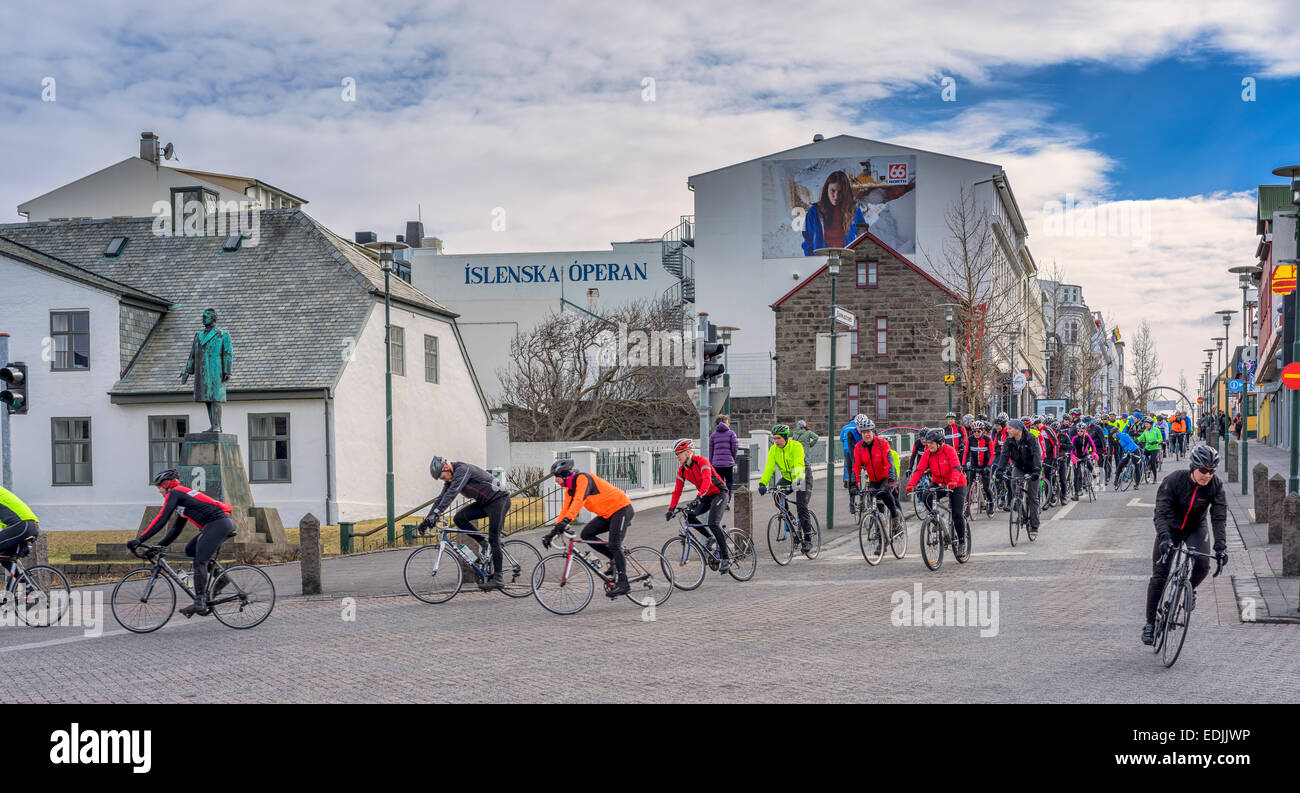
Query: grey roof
[
  {"x": 291, "y": 303},
  {"x": 46, "y": 262}
]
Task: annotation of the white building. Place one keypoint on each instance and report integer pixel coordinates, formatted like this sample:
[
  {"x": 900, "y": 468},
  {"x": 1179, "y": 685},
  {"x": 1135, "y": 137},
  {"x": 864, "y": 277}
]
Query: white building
[
  {"x": 134, "y": 186},
  {"x": 106, "y": 339}
]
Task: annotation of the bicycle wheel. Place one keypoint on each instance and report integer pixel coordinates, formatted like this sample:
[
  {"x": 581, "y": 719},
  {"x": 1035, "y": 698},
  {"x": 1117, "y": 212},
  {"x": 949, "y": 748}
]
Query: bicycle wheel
[
  {"x": 650, "y": 575},
  {"x": 1125, "y": 479},
  {"x": 1150, "y": 475},
  {"x": 686, "y": 559},
  {"x": 816, "y": 539},
  {"x": 1177, "y": 623},
  {"x": 242, "y": 597},
  {"x": 898, "y": 539},
  {"x": 561, "y": 592},
  {"x": 916, "y": 507},
  {"x": 433, "y": 573},
  {"x": 744, "y": 559},
  {"x": 1013, "y": 525},
  {"x": 780, "y": 539},
  {"x": 141, "y": 602},
  {"x": 871, "y": 538},
  {"x": 42, "y": 596},
  {"x": 961, "y": 548},
  {"x": 518, "y": 558},
  {"x": 931, "y": 544}
]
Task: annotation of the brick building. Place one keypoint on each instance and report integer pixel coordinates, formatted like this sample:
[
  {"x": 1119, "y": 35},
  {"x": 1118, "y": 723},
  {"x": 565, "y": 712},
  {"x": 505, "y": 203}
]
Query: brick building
[{"x": 896, "y": 370}]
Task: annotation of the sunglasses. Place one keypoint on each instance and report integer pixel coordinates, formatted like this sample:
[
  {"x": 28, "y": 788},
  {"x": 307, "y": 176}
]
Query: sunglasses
[{"x": 1205, "y": 470}]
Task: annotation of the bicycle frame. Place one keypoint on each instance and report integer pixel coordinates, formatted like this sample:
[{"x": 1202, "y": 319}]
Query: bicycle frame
[
  {"x": 214, "y": 572},
  {"x": 570, "y": 556},
  {"x": 445, "y": 545},
  {"x": 684, "y": 527}
]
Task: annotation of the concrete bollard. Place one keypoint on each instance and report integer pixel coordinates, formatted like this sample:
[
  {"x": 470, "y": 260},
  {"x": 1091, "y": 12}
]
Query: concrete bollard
[
  {"x": 1276, "y": 517},
  {"x": 40, "y": 551},
  {"x": 1259, "y": 488},
  {"x": 742, "y": 510},
  {"x": 1291, "y": 539},
  {"x": 1234, "y": 460},
  {"x": 309, "y": 543}
]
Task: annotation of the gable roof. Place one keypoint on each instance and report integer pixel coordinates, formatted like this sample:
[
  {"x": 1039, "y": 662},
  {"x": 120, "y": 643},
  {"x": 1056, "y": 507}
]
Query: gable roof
[
  {"x": 864, "y": 237},
  {"x": 237, "y": 183},
  {"x": 291, "y": 302},
  {"x": 807, "y": 149},
  {"x": 41, "y": 260}
]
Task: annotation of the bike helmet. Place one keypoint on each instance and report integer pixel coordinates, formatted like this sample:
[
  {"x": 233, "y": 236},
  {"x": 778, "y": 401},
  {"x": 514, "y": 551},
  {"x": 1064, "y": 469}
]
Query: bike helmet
[
  {"x": 983, "y": 417},
  {"x": 967, "y": 419},
  {"x": 950, "y": 415},
  {"x": 861, "y": 419},
  {"x": 684, "y": 445},
  {"x": 936, "y": 436},
  {"x": 435, "y": 467},
  {"x": 1087, "y": 419},
  {"x": 562, "y": 467},
  {"x": 170, "y": 475},
  {"x": 979, "y": 425},
  {"x": 1203, "y": 457},
  {"x": 781, "y": 429},
  {"x": 865, "y": 424},
  {"x": 1003, "y": 417}
]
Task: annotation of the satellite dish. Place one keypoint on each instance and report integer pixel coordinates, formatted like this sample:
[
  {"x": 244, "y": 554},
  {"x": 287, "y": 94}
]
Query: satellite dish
[{"x": 167, "y": 151}]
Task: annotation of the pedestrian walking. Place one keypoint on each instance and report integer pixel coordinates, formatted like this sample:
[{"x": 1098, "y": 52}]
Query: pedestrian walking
[{"x": 723, "y": 448}]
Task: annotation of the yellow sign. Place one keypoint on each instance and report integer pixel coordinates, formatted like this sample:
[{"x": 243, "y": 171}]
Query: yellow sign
[{"x": 949, "y": 379}]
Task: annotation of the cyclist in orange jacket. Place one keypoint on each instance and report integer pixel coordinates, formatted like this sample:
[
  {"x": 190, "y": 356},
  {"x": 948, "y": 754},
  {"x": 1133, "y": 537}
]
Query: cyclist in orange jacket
[{"x": 613, "y": 511}]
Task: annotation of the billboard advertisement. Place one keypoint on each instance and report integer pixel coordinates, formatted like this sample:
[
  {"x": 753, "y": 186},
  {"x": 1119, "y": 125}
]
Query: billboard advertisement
[{"x": 829, "y": 201}]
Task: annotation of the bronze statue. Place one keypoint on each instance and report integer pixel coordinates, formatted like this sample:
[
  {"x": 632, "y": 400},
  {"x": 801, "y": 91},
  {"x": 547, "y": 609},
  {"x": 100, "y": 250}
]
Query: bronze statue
[{"x": 210, "y": 364}]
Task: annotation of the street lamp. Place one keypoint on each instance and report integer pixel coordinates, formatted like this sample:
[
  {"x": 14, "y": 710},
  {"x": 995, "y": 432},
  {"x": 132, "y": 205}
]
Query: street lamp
[
  {"x": 1218, "y": 406},
  {"x": 386, "y": 264},
  {"x": 950, "y": 348},
  {"x": 724, "y": 334},
  {"x": 1014, "y": 335},
  {"x": 1292, "y": 172},
  {"x": 1227, "y": 324},
  {"x": 834, "y": 257}
]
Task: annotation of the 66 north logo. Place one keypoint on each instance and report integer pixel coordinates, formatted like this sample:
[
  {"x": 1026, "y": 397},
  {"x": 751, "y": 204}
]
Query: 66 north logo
[{"x": 897, "y": 173}]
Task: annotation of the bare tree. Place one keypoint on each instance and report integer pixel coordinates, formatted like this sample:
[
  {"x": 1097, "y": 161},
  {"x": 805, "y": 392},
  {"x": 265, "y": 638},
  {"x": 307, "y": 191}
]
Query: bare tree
[
  {"x": 1182, "y": 386},
  {"x": 578, "y": 375},
  {"x": 1145, "y": 361}
]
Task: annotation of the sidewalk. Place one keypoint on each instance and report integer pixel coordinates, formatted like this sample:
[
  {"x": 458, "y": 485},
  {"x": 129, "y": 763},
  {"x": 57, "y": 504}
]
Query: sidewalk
[{"x": 1278, "y": 595}]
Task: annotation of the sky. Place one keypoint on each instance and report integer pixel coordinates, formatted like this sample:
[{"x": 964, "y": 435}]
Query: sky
[{"x": 539, "y": 114}]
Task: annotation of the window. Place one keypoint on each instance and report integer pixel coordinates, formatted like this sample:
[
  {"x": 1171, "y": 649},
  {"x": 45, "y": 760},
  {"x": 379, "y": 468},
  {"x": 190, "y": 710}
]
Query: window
[
  {"x": 191, "y": 208},
  {"x": 165, "y": 436},
  {"x": 268, "y": 447},
  {"x": 397, "y": 349},
  {"x": 882, "y": 401},
  {"x": 867, "y": 274},
  {"x": 853, "y": 342},
  {"x": 431, "y": 359},
  {"x": 70, "y": 451},
  {"x": 882, "y": 336},
  {"x": 115, "y": 247},
  {"x": 853, "y": 400},
  {"x": 70, "y": 332}
]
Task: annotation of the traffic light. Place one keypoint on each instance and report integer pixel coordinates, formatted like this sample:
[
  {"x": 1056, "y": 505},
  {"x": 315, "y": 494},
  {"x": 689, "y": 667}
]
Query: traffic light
[
  {"x": 711, "y": 365},
  {"x": 14, "y": 395}
]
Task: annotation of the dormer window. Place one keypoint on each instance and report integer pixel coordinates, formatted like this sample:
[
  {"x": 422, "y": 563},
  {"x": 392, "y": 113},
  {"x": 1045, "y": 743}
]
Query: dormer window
[
  {"x": 115, "y": 247},
  {"x": 191, "y": 208},
  {"x": 232, "y": 243}
]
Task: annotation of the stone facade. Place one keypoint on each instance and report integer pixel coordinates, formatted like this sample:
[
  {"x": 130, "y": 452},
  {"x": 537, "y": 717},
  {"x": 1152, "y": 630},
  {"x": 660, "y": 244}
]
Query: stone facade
[{"x": 912, "y": 369}]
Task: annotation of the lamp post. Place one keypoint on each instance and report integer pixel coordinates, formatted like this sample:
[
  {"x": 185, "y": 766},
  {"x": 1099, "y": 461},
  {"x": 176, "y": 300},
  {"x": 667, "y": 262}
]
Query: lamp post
[
  {"x": 950, "y": 348},
  {"x": 386, "y": 264},
  {"x": 1292, "y": 172},
  {"x": 1209, "y": 395},
  {"x": 1218, "y": 375},
  {"x": 1014, "y": 335},
  {"x": 834, "y": 255},
  {"x": 724, "y": 335},
  {"x": 1227, "y": 325}
]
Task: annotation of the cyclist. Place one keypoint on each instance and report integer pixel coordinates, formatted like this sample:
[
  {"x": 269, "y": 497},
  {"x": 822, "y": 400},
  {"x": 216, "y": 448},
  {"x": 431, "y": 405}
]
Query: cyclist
[
  {"x": 940, "y": 461},
  {"x": 1083, "y": 453},
  {"x": 1179, "y": 429},
  {"x": 613, "y": 511},
  {"x": 955, "y": 435},
  {"x": 1150, "y": 441},
  {"x": 874, "y": 456},
  {"x": 849, "y": 437},
  {"x": 211, "y": 516},
  {"x": 999, "y": 437},
  {"x": 487, "y": 500},
  {"x": 1062, "y": 432},
  {"x": 786, "y": 455},
  {"x": 17, "y": 523},
  {"x": 979, "y": 460},
  {"x": 1022, "y": 452},
  {"x": 1130, "y": 454},
  {"x": 711, "y": 495},
  {"x": 1182, "y": 501},
  {"x": 1049, "y": 446}
]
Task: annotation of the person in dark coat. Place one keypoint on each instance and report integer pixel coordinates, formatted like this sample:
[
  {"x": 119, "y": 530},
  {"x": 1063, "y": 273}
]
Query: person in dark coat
[{"x": 723, "y": 448}]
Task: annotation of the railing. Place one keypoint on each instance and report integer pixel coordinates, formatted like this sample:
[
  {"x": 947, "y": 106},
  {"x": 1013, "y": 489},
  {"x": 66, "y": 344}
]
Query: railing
[
  {"x": 663, "y": 468},
  {"x": 817, "y": 454},
  {"x": 620, "y": 467}
]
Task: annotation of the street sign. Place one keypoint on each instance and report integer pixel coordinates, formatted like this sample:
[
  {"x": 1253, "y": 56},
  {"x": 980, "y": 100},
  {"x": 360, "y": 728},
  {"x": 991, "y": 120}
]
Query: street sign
[
  {"x": 842, "y": 351},
  {"x": 1283, "y": 280},
  {"x": 1200, "y": 400},
  {"x": 1019, "y": 382},
  {"x": 949, "y": 379},
  {"x": 1235, "y": 385},
  {"x": 1291, "y": 376},
  {"x": 846, "y": 318}
]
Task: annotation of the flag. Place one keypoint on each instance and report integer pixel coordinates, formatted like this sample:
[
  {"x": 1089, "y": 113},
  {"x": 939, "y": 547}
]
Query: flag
[{"x": 1114, "y": 335}]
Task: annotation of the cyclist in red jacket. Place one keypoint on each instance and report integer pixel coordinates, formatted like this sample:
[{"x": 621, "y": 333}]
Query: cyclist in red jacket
[
  {"x": 940, "y": 460},
  {"x": 871, "y": 455},
  {"x": 711, "y": 495}
]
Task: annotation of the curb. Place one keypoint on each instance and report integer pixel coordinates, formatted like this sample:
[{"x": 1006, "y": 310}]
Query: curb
[{"x": 1246, "y": 588}]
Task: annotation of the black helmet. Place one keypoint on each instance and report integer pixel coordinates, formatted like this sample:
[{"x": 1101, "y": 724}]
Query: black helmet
[
  {"x": 562, "y": 467},
  {"x": 1001, "y": 419},
  {"x": 983, "y": 417},
  {"x": 936, "y": 436},
  {"x": 170, "y": 475},
  {"x": 435, "y": 467},
  {"x": 1204, "y": 457},
  {"x": 1087, "y": 419},
  {"x": 781, "y": 429}
]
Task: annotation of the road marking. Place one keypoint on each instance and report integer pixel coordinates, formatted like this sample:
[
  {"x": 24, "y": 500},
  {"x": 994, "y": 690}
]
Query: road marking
[
  {"x": 1138, "y": 502},
  {"x": 53, "y": 642},
  {"x": 999, "y": 553},
  {"x": 1104, "y": 550},
  {"x": 1064, "y": 510}
]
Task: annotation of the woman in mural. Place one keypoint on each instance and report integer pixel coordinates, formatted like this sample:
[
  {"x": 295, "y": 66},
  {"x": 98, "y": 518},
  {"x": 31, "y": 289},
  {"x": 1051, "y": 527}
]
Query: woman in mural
[{"x": 835, "y": 219}]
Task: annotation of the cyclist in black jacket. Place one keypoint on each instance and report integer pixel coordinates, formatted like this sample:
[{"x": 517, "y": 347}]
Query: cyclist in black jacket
[
  {"x": 211, "y": 516},
  {"x": 487, "y": 499},
  {"x": 1021, "y": 451},
  {"x": 1182, "y": 502}
]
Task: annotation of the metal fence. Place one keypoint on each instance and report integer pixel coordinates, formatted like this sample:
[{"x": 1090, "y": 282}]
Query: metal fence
[
  {"x": 663, "y": 468},
  {"x": 619, "y": 467}
]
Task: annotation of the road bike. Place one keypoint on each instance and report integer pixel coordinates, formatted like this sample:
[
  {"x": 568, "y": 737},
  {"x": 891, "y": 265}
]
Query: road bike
[
  {"x": 1151, "y": 471},
  {"x": 1177, "y": 600},
  {"x": 1018, "y": 520},
  {"x": 434, "y": 573},
  {"x": 976, "y": 503},
  {"x": 1129, "y": 473},
  {"x": 689, "y": 558},
  {"x": 872, "y": 531},
  {"x": 39, "y": 594},
  {"x": 1088, "y": 478},
  {"x": 564, "y": 583},
  {"x": 782, "y": 529},
  {"x": 240, "y": 596},
  {"x": 937, "y": 531}
]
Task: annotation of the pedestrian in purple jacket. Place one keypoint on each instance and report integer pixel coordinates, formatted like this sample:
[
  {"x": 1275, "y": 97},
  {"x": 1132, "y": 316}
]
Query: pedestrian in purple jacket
[{"x": 723, "y": 446}]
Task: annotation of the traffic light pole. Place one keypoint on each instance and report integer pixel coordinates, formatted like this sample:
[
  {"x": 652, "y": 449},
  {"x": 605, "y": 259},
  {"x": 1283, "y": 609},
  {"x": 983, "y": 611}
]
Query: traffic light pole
[
  {"x": 701, "y": 336},
  {"x": 830, "y": 425},
  {"x": 7, "y": 475}
]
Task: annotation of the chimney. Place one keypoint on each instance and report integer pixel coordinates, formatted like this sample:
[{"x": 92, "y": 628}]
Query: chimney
[
  {"x": 362, "y": 237},
  {"x": 432, "y": 243},
  {"x": 149, "y": 147},
  {"x": 414, "y": 233}
]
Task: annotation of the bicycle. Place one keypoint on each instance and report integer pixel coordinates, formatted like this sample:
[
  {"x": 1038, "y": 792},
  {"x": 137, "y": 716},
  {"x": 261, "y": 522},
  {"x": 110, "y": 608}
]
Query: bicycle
[
  {"x": 563, "y": 587},
  {"x": 1018, "y": 520},
  {"x": 872, "y": 532},
  {"x": 1129, "y": 473},
  {"x": 421, "y": 573},
  {"x": 153, "y": 589},
  {"x": 781, "y": 529},
  {"x": 1177, "y": 600},
  {"x": 1089, "y": 479},
  {"x": 690, "y": 558},
  {"x": 937, "y": 531},
  {"x": 36, "y": 592},
  {"x": 976, "y": 503},
  {"x": 1149, "y": 474}
]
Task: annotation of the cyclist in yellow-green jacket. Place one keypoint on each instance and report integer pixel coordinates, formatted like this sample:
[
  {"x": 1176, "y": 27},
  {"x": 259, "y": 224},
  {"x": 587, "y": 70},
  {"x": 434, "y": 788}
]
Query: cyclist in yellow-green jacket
[
  {"x": 786, "y": 455},
  {"x": 17, "y": 522}
]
